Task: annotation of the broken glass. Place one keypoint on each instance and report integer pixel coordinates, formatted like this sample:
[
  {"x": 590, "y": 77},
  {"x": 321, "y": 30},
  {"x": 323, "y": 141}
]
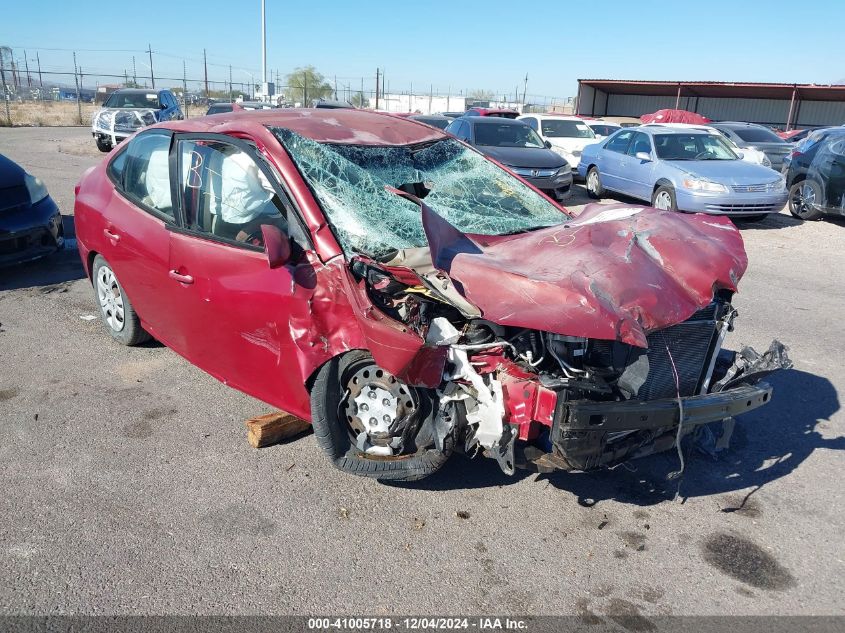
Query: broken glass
[{"x": 351, "y": 183}]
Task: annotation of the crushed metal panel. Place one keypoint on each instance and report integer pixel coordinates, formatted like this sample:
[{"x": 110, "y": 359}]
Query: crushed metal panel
[{"x": 616, "y": 272}]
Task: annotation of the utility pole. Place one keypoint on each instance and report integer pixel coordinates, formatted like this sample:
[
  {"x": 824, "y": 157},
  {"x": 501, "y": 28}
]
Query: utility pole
[
  {"x": 3, "y": 84},
  {"x": 134, "y": 72},
  {"x": 305, "y": 89},
  {"x": 76, "y": 80},
  {"x": 185, "y": 88},
  {"x": 152, "y": 74},
  {"x": 230, "y": 83},
  {"x": 38, "y": 59},
  {"x": 263, "y": 47},
  {"x": 26, "y": 65},
  {"x": 205, "y": 66},
  {"x": 524, "y": 90},
  {"x": 377, "y": 85}
]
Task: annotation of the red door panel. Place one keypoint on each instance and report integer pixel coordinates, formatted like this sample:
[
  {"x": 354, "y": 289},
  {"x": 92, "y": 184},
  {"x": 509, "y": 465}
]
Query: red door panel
[
  {"x": 233, "y": 319},
  {"x": 137, "y": 244}
]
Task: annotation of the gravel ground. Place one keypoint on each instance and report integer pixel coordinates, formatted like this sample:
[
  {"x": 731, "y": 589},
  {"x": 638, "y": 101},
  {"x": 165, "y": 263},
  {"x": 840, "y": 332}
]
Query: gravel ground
[{"x": 129, "y": 487}]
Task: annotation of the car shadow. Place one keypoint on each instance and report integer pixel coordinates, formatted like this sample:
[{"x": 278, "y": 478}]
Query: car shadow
[
  {"x": 54, "y": 270},
  {"x": 767, "y": 444},
  {"x": 772, "y": 221}
]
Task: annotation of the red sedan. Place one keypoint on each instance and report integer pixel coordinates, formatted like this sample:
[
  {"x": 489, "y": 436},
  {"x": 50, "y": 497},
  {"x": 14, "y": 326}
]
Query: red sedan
[{"x": 410, "y": 297}]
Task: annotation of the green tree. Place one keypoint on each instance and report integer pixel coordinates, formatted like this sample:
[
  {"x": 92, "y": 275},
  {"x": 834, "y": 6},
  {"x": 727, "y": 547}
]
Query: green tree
[
  {"x": 359, "y": 100},
  {"x": 306, "y": 85}
]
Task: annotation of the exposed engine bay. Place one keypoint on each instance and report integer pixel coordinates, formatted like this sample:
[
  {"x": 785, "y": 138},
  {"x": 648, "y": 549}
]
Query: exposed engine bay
[{"x": 548, "y": 401}]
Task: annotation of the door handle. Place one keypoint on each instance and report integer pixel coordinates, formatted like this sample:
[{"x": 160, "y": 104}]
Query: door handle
[
  {"x": 114, "y": 237},
  {"x": 184, "y": 279}
]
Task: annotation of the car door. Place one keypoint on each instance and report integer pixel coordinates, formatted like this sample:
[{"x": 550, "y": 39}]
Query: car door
[
  {"x": 135, "y": 219},
  {"x": 637, "y": 174},
  {"x": 610, "y": 160},
  {"x": 233, "y": 308}
]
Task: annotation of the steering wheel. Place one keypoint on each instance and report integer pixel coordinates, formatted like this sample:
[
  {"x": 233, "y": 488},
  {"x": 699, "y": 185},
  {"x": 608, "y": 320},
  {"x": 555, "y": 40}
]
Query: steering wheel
[{"x": 702, "y": 154}]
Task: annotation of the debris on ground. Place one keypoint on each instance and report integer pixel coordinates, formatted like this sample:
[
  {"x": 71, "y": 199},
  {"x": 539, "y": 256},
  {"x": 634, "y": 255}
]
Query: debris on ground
[
  {"x": 343, "y": 513},
  {"x": 462, "y": 514},
  {"x": 271, "y": 428}
]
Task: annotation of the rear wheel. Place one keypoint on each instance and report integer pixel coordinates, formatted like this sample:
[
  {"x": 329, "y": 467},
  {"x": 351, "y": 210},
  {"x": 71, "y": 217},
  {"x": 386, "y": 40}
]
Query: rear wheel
[
  {"x": 594, "y": 186},
  {"x": 116, "y": 311},
  {"x": 664, "y": 198},
  {"x": 804, "y": 198},
  {"x": 371, "y": 424}
]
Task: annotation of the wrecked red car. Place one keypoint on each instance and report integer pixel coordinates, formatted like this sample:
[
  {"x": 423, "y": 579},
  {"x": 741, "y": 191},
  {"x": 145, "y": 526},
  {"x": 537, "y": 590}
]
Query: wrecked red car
[{"x": 410, "y": 297}]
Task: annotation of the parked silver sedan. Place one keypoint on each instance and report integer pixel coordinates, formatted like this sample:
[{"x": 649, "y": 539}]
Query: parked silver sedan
[{"x": 680, "y": 169}]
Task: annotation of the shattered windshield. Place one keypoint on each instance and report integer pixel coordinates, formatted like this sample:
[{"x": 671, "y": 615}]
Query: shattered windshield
[{"x": 351, "y": 183}]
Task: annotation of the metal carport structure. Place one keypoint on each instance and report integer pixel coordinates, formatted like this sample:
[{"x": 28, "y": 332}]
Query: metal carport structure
[{"x": 786, "y": 106}]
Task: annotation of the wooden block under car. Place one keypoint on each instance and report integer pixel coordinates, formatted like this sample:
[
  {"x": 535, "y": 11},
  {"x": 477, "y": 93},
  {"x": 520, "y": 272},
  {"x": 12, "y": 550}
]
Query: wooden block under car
[{"x": 271, "y": 428}]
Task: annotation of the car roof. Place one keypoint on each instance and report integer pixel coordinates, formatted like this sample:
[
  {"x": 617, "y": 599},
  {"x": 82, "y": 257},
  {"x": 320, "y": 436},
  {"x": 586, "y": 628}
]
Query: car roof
[
  {"x": 493, "y": 120},
  {"x": 553, "y": 116},
  {"x": 138, "y": 91},
  {"x": 324, "y": 125},
  {"x": 732, "y": 124},
  {"x": 659, "y": 129}
]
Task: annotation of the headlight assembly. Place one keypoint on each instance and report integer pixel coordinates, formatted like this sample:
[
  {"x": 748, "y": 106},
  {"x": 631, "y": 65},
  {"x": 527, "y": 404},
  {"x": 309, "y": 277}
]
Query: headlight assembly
[
  {"x": 36, "y": 188},
  {"x": 699, "y": 184}
]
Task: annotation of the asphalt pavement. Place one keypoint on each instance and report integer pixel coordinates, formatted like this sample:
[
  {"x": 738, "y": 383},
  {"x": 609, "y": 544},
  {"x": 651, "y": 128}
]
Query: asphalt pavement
[{"x": 128, "y": 485}]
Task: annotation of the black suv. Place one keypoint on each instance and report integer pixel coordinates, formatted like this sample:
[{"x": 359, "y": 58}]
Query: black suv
[{"x": 815, "y": 175}]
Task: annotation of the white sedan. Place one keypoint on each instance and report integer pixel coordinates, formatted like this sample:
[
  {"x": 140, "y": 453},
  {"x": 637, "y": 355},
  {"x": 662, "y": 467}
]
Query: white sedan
[{"x": 567, "y": 135}]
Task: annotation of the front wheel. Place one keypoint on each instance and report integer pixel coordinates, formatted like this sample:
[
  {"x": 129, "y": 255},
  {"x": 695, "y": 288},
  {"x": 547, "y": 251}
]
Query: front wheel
[
  {"x": 804, "y": 198},
  {"x": 371, "y": 424},
  {"x": 664, "y": 198},
  {"x": 116, "y": 311},
  {"x": 103, "y": 145},
  {"x": 594, "y": 187}
]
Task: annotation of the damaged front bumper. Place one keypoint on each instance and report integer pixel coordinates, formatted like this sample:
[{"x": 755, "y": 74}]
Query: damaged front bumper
[{"x": 588, "y": 435}]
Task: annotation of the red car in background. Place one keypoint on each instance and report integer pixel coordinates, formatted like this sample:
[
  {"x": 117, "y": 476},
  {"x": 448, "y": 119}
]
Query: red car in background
[
  {"x": 410, "y": 297},
  {"x": 500, "y": 112}
]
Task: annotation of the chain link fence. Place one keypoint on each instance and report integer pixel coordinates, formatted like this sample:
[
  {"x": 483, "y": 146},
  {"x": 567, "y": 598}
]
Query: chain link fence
[{"x": 33, "y": 96}]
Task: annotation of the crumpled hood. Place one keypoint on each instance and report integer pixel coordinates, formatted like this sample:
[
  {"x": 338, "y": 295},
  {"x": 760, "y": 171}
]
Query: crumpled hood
[{"x": 616, "y": 272}]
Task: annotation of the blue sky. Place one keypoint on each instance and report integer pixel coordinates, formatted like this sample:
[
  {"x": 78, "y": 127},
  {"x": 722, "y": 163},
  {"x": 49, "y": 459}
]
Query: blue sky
[{"x": 441, "y": 42}]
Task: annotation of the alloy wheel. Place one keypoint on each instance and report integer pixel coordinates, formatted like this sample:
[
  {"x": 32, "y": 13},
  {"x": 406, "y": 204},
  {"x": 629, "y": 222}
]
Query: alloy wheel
[{"x": 111, "y": 298}]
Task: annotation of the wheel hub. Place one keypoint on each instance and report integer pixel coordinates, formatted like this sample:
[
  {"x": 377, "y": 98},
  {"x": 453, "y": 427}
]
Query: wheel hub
[{"x": 375, "y": 406}]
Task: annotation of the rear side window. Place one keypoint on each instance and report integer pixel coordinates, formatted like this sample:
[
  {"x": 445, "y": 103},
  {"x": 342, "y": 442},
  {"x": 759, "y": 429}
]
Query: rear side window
[
  {"x": 619, "y": 143},
  {"x": 531, "y": 122},
  {"x": 146, "y": 173},
  {"x": 757, "y": 135}
]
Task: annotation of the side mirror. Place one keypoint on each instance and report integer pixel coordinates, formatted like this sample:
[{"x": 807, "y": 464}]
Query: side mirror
[
  {"x": 740, "y": 155},
  {"x": 276, "y": 245},
  {"x": 548, "y": 144},
  {"x": 643, "y": 156}
]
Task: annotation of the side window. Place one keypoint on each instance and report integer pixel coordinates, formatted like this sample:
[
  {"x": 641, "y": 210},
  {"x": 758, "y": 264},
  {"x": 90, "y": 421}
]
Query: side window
[
  {"x": 620, "y": 142},
  {"x": 639, "y": 143},
  {"x": 225, "y": 193},
  {"x": 532, "y": 123},
  {"x": 146, "y": 172},
  {"x": 466, "y": 131},
  {"x": 116, "y": 167}
]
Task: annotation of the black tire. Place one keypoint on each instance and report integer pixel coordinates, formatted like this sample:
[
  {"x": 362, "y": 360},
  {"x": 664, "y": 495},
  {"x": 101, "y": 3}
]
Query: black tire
[
  {"x": 595, "y": 191},
  {"x": 103, "y": 145},
  {"x": 130, "y": 333},
  {"x": 800, "y": 205},
  {"x": 660, "y": 194},
  {"x": 334, "y": 435}
]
